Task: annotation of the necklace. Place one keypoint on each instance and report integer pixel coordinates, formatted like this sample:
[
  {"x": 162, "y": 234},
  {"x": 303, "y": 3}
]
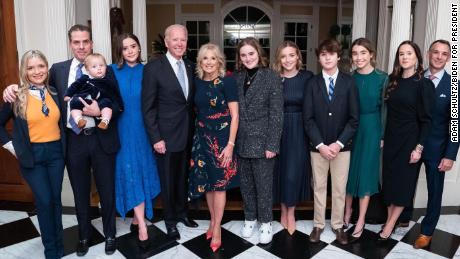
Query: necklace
[{"x": 250, "y": 78}]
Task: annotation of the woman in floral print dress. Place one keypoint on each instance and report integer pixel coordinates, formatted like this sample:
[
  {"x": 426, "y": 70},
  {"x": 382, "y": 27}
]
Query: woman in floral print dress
[{"x": 213, "y": 164}]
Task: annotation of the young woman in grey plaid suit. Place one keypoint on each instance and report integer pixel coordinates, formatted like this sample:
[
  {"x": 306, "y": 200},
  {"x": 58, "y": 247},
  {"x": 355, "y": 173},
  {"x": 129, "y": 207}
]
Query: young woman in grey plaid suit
[{"x": 261, "y": 120}]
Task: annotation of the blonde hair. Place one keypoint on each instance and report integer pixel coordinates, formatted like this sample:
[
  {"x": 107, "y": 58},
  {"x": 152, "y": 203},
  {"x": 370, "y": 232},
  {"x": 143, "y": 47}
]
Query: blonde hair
[
  {"x": 215, "y": 50},
  {"x": 20, "y": 105},
  {"x": 93, "y": 56},
  {"x": 277, "y": 65}
]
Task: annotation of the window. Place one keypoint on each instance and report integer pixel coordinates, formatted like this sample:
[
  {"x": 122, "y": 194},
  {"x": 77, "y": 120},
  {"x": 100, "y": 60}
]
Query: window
[
  {"x": 242, "y": 22},
  {"x": 198, "y": 34},
  {"x": 298, "y": 32}
]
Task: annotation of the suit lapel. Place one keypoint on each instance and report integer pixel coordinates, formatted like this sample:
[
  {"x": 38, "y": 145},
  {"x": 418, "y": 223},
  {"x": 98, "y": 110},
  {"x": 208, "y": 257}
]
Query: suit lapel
[
  {"x": 172, "y": 75},
  {"x": 322, "y": 88},
  {"x": 190, "y": 77}
]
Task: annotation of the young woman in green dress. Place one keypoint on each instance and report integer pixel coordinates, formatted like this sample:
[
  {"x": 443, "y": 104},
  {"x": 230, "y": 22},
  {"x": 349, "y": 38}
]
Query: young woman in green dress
[{"x": 363, "y": 176}]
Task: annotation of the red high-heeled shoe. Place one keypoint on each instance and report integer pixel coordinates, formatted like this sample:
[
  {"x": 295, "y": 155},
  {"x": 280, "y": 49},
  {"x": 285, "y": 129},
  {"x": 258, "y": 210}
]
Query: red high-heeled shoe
[
  {"x": 208, "y": 234},
  {"x": 215, "y": 246}
]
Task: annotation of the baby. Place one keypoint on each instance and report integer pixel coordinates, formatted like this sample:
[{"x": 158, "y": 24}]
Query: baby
[{"x": 93, "y": 86}]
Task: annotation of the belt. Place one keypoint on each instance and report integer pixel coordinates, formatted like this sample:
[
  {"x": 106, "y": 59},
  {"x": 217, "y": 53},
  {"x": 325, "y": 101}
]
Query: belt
[{"x": 89, "y": 131}]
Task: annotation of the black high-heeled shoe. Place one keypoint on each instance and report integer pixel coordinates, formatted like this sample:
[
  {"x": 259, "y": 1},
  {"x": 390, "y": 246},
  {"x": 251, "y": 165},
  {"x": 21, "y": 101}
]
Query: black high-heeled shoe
[
  {"x": 134, "y": 227},
  {"x": 380, "y": 238},
  {"x": 356, "y": 235},
  {"x": 143, "y": 243}
]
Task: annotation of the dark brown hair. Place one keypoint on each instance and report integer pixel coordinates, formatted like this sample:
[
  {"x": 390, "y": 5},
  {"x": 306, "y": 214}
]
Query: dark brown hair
[
  {"x": 363, "y": 42},
  {"x": 442, "y": 42},
  {"x": 397, "y": 69},
  {"x": 79, "y": 27},
  {"x": 329, "y": 45},
  {"x": 119, "y": 54},
  {"x": 253, "y": 42},
  {"x": 277, "y": 66}
]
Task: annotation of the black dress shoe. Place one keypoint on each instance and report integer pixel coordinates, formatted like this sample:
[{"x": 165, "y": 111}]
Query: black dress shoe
[
  {"x": 173, "y": 232},
  {"x": 134, "y": 227},
  {"x": 110, "y": 245},
  {"x": 82, "y": 248},
  {"x": 188, "y": 222}
]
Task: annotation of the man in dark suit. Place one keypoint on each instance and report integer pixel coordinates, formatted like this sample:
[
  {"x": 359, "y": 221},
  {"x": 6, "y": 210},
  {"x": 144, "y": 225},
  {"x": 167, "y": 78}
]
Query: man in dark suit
[
  {"x": 167, "y": 96},
  {"x": 331, "y": 115},
  {"x": 439, "y": 152},
  {"x": 92, "y": 149}
]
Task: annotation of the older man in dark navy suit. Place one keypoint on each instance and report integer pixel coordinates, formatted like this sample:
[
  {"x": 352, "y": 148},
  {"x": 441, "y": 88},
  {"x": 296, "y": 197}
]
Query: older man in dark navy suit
[{"x": 439, "y": 151}]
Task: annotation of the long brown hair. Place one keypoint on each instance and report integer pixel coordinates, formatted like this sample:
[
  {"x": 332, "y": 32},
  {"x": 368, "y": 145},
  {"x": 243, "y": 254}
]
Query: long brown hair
[
  {"x": 253, "y": 42},
  {"x": 365, "y": 43},
  {"x": 119, "y": 54},
  {"x": 397, "y": 69},
  {"x": 277, "y": 65}
]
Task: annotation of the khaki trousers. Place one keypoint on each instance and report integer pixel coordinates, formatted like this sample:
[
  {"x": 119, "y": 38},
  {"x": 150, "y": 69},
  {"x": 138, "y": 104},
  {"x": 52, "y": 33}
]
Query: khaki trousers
[{"x": 339, "y": 174}]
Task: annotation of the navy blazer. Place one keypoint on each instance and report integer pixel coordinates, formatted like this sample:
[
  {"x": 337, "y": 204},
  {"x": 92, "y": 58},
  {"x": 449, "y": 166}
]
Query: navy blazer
[
  {"x": 438, "y": 144},
  {"x": 328, "y": 121},
  {"x": 59, "y": 77},
  {"x": 168, "y": 115},
  {"x": 20, "y": 135}
]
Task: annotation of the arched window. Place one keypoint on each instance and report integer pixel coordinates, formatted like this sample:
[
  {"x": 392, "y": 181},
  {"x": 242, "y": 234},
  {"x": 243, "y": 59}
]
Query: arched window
[{"x": 242, "y": 22}]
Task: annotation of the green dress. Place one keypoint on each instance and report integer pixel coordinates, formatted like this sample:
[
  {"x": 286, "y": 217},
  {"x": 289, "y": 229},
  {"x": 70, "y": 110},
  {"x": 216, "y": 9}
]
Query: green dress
[{"x": 363, "y": 176}]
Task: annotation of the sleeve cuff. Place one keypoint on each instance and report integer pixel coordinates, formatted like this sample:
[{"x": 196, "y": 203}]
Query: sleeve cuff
[
  {"x": 340, "y": 144},
  {"x": 319, "y": 145}
]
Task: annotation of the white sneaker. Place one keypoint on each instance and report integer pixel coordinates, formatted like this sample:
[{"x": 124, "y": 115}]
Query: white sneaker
[
  {"x": 248, "y": 227},
  {"x": 266, "y": 233}
]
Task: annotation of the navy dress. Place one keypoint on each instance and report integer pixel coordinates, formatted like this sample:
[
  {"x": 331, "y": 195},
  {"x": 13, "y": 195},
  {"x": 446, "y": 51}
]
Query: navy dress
[
  {"x": 291, "y": 181},
  {"x": 136, "y": 174},
  {"x": 212, "y": 131}
]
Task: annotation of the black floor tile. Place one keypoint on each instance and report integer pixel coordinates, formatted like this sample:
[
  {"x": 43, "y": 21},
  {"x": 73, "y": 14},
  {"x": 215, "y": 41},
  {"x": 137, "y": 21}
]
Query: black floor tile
[
  {"x": 28, "y": 207},
  {"x": 443, "y": 243},
  {"x": 284, "y": 245},
  {"x": 158, "y": 242},
  {"x": 71, "y": 239},
  {"x": 232, "y": 245},
  {"x": 368, "y": 245},
  {"x": 17, "y": 231}
]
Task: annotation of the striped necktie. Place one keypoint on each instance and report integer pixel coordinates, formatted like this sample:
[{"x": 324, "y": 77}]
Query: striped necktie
[
  {"x": 331, "y": 88},
  {"x": 45, "y": 109}
]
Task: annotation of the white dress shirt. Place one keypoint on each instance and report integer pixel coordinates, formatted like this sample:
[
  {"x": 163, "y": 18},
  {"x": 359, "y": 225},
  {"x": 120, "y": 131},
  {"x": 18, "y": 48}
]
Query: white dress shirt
[{"x": 173, "y": 61}]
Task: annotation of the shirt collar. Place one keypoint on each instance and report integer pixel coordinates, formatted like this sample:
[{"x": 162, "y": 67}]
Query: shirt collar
[
  {"x": 438, "y": 75},
  {"x": 334, "y": 76},
  {"x": 172, "y": 59}
]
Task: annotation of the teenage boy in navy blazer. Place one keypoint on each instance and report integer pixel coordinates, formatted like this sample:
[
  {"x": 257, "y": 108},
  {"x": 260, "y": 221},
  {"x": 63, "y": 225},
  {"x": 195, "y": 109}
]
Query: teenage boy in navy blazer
[
  {"x": 331, "y": 115},
  {"x": 439, "y": 152}
]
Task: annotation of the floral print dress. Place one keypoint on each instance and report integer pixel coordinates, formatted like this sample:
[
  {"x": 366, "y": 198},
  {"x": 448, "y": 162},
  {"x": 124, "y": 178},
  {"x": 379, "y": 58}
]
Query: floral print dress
[{"x": 212, "y": 130}]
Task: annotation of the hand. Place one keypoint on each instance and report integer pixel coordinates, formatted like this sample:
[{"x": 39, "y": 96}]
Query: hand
[
  {"x": 414, "y": 157},
  {"x": 269, "y": 154},
  {"x": 381, "y": 143},
  {"x": 90, "y": 109},
  {"x": 160, "y": 147},
  {"x": 325, "y": 151},
  {"x": 335, "y": 149},
  {"x": 445, "y": 165},
  {"x": 226, "y": 155},
  {"x": 66, "y": 98},
  {"x": 9, "y": 94}
]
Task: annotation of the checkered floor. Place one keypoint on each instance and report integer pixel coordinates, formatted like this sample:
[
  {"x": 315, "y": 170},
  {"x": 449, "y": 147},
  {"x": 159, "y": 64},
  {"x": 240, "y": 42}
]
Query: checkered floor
[{"x": 20, "y": 238}]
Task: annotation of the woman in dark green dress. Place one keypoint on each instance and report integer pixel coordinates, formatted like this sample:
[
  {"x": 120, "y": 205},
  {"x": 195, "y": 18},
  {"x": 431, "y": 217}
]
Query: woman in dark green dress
[
  {"x": 213, "y": 164},
  {"x": 363, "y": 176}
]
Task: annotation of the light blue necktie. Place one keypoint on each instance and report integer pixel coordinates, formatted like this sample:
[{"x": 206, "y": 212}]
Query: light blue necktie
[
  {"x": 331, "y": 88},
  {"x": 181, "y": 77},
  {"x": 79, "y": 72}
]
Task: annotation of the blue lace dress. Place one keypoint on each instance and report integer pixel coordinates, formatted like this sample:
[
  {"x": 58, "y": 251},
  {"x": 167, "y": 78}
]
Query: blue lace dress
[{"x": 136, "y": 174}]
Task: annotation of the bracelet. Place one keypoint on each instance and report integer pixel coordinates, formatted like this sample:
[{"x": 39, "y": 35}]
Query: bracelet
[
  {"x": 231, "y": 143},
  {"x": 419, "y": 148}
]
